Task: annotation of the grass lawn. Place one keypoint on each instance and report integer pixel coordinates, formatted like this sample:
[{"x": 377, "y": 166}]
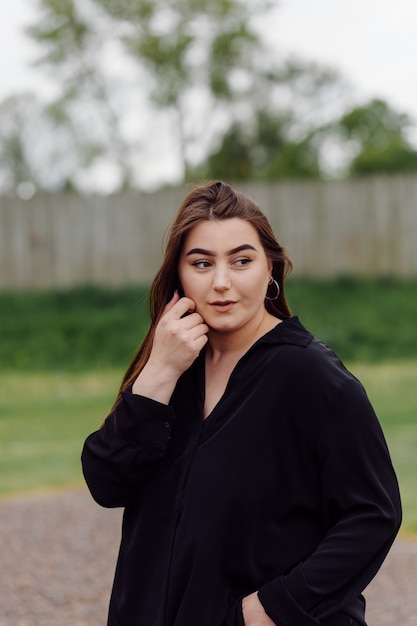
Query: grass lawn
[
  {"x": 392, "y": 389},
  {"x": 45, "y": 417}
]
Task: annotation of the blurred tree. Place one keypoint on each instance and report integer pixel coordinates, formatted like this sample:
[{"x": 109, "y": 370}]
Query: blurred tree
[
  {"x": 139, "y": 82},
  {"x": 372, "y": 139},
  {"x": 367, "y": 139},
  {"x": 15, "y": 165},
  {"x": 196, "y": 55},
  {"x": 42, "y": 148},
  {"x": 189, "y": 57},
  {"x": 74, "y": 50},
  {"x": 35, "y": 153},
  {"x": 203, "y": 69},
  {"x": 260, "y": 151},
  {"x": 380, "y": 133},
  {"x": 274, "y": 137}
]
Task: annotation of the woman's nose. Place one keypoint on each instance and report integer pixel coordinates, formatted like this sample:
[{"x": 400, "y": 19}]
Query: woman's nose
[{"x": 221, "y": 280}]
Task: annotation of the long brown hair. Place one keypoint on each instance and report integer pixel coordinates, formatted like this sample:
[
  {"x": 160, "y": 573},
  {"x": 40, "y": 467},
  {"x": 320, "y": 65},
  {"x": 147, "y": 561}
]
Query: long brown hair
[{"x": 212, "y": 201}]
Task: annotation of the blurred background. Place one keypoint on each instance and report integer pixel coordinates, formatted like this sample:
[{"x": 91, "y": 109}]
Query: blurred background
[{"x": 109, "y": 108}]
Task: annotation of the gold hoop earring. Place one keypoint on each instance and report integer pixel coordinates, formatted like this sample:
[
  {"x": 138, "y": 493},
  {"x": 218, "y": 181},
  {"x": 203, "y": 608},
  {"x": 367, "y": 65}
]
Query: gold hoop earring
[{"x": 272, "y": 281}]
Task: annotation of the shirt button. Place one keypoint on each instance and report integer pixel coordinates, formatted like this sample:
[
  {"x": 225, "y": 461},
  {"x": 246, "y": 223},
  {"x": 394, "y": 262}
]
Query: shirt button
[{"x": 167, "y": 424}]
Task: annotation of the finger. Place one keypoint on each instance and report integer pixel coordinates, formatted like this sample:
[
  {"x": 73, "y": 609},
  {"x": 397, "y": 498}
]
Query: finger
[
  {"x": 191, "y": 320},
  {"x": 198, "y": 331},
  {"x": 182, "y": 306},
  {"x": 200, "y": 342},
  {"x": 171, "y": 302}
]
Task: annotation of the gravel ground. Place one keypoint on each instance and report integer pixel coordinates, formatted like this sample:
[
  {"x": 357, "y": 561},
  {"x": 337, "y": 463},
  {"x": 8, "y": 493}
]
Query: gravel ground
[{"x": 58, "y": 553}]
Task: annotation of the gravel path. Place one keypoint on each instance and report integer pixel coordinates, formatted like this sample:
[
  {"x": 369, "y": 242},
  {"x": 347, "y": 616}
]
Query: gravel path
[{"x": 58, "y": 554}]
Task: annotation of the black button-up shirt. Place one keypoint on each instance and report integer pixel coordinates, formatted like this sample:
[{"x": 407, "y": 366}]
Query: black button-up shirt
[{"x": 286, "y": 488}]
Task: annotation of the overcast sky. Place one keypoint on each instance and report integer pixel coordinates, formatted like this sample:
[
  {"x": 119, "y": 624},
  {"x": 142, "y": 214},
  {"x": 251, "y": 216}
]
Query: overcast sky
[{"x": 372, "y": 42}]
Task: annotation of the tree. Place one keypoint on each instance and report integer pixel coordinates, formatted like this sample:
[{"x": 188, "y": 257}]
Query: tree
[
  {"x": 273, "y": 138},
  {"x": 15, "y": 165},
  {"x": 41, "y": 147},
  {"x": 35, "y": 152},
  {"x": 143, "y": 84},
  {"x": 372, "y": 139},
  {"x": 261, "y": 150},
  {"x": 189, "y": 59},
  {"x": 380, "y": 133},
  {"x": 74, "y": 51}
]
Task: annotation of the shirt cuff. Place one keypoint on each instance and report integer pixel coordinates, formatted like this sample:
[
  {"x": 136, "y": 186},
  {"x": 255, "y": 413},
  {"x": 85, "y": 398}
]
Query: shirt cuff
[
  {"x": 143, "y": 421},
  {"x": 281, "y": 607}
]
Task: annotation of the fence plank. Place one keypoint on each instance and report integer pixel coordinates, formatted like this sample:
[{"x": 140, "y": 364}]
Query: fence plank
[{"x": 364, "y": 227}]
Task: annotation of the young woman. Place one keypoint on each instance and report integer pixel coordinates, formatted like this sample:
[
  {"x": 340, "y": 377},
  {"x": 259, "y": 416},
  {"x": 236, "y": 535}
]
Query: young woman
[{"x": 256, "y": 481}]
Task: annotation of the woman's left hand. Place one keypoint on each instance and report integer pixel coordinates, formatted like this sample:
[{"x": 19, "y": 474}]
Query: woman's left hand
[{"x": 254, "y": 613}]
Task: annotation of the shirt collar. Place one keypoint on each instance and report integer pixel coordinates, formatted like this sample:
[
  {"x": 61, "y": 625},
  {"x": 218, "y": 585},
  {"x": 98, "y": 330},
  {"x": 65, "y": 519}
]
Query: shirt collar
[{"x": 288, "y": 331}]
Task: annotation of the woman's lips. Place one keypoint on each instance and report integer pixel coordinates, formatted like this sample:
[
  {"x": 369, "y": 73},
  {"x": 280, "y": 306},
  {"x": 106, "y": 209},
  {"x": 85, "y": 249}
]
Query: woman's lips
[{"x": 222, "y": 306}]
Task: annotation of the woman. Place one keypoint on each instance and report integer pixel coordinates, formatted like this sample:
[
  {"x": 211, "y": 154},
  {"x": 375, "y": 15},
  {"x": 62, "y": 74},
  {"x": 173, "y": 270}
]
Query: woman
[{"x": 257, "y": 485}]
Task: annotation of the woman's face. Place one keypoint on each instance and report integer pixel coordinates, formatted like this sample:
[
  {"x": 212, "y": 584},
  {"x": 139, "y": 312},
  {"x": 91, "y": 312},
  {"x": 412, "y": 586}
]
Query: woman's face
[{"x": 224, "y": 269}]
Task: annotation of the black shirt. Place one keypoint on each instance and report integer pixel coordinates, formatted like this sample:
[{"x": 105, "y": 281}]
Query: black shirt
[{"x": 286, "y": 488}]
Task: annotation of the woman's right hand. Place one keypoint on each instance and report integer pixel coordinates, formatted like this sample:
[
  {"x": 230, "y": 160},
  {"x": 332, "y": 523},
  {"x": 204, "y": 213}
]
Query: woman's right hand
[{"x": 178, "y": 340}]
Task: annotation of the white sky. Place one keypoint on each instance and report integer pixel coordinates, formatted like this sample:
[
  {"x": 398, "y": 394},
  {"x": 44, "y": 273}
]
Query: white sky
[
  {"x": 372, "y": 42},
  {"x": 16, "y": 50}
]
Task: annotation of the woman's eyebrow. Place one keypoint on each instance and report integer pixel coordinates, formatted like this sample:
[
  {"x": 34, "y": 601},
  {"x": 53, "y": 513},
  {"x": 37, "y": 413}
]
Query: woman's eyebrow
[{"x": 245, "y": 246}]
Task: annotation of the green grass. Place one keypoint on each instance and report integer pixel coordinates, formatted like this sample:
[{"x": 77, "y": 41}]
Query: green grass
[
  {"x": 90, "y": 328},
  {"x": 391, "y": 388},
  {"x": 45, "y": 417},
  {"x": 63, "y": 353},
  {"x": 74, "y": 330}
]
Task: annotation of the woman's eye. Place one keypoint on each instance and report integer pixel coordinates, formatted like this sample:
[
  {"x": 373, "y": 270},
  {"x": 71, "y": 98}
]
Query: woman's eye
[
  {"x": 242, "y": 262},
  {"x": 202, "y": 265}
]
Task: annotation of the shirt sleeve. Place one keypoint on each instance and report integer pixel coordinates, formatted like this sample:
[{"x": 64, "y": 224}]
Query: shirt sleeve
[
  {"x": 361, "y": 512},
  {"x": 117, "y": 458}
]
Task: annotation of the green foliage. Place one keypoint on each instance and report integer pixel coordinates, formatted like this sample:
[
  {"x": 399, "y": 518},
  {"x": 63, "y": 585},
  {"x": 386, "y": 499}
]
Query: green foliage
[
  {"x": 24, "y": 159},
  {"x": 361, "y": 320},
  {"x": 177, "y": 47},
  {"x": 373, "y": 136},
  {"x": 70, "y": 330},
  {"x": 374, "y": 123},
  {"x": 91, "y": 327},
  {"x": 273, "y": 137},
  {"x": 379, "y": 131},
  {"x": 70, "y": 38},
  {"x": 372, "y": 139},
  {"x": 232, "y": 161},
  {"x": 396, "y": 157},
  {"x": 61, "y": 29},
  {"x": 261, "y": 150},
  {"x": 16, "y": 165},
  {"x": 197, "y": 67},
  {"x": 187, "y": 46}
]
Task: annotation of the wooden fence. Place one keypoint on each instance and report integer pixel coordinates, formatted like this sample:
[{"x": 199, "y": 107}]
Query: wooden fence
[{"x": 359, "y": 227}]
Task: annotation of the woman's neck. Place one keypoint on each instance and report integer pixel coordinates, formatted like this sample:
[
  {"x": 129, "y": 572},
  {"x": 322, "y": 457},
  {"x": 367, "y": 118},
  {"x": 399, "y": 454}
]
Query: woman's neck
[{"x": 225, "y": 345}]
